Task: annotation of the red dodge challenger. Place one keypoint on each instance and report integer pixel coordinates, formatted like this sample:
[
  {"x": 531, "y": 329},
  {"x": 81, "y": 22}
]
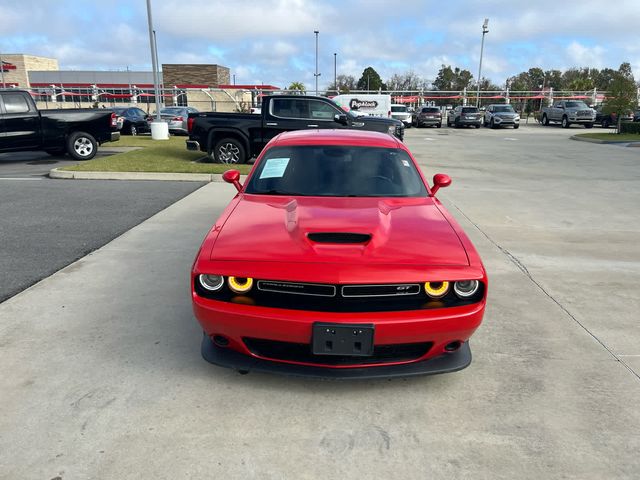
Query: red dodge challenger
[{"x": 335, "y": 259}]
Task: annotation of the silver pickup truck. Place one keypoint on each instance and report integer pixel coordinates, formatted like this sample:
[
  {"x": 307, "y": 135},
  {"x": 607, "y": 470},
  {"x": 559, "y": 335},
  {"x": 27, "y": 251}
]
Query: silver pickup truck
[{"x": 567, "y": 112}]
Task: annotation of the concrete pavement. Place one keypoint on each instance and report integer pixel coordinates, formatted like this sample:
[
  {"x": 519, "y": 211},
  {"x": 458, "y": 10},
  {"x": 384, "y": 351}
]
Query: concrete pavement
[{"x": 103, "y": 377}]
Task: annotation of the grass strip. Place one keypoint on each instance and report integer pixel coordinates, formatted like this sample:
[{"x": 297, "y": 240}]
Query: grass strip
[
  {"x": 168, "y": 156},
  {"x": 612, "y": 137}
]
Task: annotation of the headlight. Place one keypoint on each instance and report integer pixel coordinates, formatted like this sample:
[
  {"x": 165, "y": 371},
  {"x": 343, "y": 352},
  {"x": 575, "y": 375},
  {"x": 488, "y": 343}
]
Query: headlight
[
  {"x": 466, "y": 288},
  {"x": 240, "y": 284},
  {"x": 213, "y": 283},
  {"x": 391, "y": 130},
  {"x": 436, "y": 289}
]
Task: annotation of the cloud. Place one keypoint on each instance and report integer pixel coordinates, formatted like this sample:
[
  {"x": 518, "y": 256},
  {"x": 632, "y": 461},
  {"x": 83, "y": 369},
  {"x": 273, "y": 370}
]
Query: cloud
[{"x": 272, "y": 41}]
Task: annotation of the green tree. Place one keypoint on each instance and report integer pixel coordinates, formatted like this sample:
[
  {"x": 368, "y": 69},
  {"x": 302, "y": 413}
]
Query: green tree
[
  {"x": 370, "y": 80},
  {"x": 622, "y": 93},
  {"x": 449, "y": 79},
  {"x": 297, "y": 88}
]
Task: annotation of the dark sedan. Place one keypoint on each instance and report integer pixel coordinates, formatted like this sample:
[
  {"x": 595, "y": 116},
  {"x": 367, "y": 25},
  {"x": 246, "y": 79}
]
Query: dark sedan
[{"x": 135, "y": 120}]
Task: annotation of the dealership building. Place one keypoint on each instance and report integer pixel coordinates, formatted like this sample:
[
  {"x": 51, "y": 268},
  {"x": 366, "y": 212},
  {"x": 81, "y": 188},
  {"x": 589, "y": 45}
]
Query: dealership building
[{"x": 204, "y": 86}]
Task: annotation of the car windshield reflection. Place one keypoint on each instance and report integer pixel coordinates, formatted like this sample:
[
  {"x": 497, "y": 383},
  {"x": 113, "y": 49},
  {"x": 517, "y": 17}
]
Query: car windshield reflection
[{"x": 336, "y": 171}]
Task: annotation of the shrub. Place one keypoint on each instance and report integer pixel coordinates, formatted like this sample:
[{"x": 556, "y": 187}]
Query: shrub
[{"x": 630, "y": 127}]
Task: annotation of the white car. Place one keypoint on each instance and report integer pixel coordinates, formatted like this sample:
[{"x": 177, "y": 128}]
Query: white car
[{"x": 402, "y": 113}]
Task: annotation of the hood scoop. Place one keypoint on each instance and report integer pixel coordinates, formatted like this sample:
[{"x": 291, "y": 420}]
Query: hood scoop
[{"x": 339, "y": 237}]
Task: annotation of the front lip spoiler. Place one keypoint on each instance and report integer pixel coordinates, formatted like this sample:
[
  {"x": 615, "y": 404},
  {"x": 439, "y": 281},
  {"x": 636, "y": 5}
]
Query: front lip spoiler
[{"x": 446, "y": 363}]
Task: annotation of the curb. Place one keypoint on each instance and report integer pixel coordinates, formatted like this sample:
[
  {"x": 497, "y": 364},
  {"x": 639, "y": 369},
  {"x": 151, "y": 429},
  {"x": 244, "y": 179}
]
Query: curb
[
  {"x": 179, "y": 177},
  {"x": 606, "y": 142}
]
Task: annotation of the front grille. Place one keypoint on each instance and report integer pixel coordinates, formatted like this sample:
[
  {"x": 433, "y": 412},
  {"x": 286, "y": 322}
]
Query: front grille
[
  {"x": 313, "y": 289},
  {"x": 351, "y": 291},
  {"x": 339, "y": 298},
  {"x": 301, "y": 352}
]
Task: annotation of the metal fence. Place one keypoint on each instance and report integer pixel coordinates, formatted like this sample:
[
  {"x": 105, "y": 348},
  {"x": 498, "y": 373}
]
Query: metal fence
[{"x": 242, "y": 100}]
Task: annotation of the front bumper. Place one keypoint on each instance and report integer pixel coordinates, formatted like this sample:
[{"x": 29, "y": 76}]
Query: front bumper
[
  {"x": 192, "y": 145},
  {"x": 238, "y": 323},
  {"x": 445, "y": 363}
]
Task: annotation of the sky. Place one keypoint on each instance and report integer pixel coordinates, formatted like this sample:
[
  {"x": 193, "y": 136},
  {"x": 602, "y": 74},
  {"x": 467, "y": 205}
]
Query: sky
[{"x": 272, "y": 41}]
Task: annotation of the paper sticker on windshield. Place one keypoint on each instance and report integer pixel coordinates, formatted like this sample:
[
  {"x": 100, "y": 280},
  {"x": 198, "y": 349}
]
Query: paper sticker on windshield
[
  {"x": 274, "y": 168},
  {"x": 405, "y": 163}
]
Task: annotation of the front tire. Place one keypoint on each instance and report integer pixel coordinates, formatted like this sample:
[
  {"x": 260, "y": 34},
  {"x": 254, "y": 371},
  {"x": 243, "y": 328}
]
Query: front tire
[
  {"x": 516, "y": 126},
  {"x": 230, "y": 151},
  {"x": 588, "y": 125},
  {"x": 565, "y": 122},
  {"x": 545, "y": 120},
  {"x": 133, "y": 130},
  {"x": 81, "y": 146},
  {"x": 439, "y": 125},
  {"x": 605, "y": 123}
]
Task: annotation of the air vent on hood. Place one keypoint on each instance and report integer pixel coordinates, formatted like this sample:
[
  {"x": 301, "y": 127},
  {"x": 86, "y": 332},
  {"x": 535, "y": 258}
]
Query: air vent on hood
[{"x": 338, "y": 237}]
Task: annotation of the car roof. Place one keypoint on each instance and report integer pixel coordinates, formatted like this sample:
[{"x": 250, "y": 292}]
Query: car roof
[{"x": 337, "y": 137}]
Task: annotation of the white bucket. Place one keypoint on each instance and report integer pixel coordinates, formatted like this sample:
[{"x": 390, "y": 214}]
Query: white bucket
[{"x": 159, "y": 130}]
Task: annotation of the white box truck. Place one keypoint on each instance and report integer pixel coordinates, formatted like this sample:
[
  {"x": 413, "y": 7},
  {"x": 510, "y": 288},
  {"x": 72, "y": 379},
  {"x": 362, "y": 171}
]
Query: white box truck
[{"x": 365, "y": 104}]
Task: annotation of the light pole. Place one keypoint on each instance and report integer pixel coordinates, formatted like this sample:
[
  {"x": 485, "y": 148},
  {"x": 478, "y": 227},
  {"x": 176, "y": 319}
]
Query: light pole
[
  {"x": 2, "y": 72},
  {"x": 154, "y": 64},
  {"x": 485, "y": 30},
  {"x": 335, "y": 72},
  {"x": 316, "y": 74}
]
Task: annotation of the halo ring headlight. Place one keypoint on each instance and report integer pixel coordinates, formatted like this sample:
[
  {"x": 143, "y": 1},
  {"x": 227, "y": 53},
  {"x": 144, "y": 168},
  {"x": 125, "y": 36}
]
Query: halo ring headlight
[
  {"x": 466, "y": 288},
  {"x": 240, "y": 284},
  {"x": 213, "y": 283},
  {"x": 436, "y": 289}
]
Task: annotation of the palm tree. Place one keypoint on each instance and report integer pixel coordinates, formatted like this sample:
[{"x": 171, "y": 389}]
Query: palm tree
[{"x": 297, "y": 87}]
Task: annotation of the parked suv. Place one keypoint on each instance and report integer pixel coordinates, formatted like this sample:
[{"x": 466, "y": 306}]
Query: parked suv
[
  {"x": 464, "y": 116},
  {"x": 501, "y": 115},
  {"x": 427, "y": 116},
  {"x": 401, "y": 112}
]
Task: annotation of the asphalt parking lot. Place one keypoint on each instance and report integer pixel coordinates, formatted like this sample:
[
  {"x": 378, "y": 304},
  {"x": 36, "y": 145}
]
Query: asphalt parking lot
[
  {"x": 103, "y": 376},
  {"x": 47, "y": 224}
]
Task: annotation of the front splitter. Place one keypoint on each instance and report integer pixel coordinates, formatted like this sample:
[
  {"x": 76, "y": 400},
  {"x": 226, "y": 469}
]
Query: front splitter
[{"x": 446, "y": 363}]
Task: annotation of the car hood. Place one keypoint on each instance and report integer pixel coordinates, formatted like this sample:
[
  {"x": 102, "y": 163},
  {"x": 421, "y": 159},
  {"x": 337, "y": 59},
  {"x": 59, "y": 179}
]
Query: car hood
[{"x": 276, "y": 228}]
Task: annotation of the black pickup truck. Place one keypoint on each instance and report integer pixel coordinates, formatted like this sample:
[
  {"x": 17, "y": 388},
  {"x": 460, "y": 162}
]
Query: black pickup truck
[
  {"x": 236, "y": 137},
  {"x": 77, "y": 132}
]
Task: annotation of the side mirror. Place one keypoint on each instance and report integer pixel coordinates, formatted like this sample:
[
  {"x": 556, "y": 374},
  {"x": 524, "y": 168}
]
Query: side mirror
[
  {"x": 232, "y": 176},
  {"x": 440, "y": 180},
  {"x": 341, "y": 118}
]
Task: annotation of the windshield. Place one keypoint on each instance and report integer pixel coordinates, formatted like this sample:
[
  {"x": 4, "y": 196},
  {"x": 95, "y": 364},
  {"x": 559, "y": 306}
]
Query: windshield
[
  {"x": 469, "y": 110},
  {"x": 430, "y": 110},
  {"x": 576, "y": 105},
  {"x": 398, "y": 108},
  {"x": 503, "y": 108},
  {"x": 173, "y": 110},
  {"x": 336, "y": 171},
  {"x": 119, "y": 111}
]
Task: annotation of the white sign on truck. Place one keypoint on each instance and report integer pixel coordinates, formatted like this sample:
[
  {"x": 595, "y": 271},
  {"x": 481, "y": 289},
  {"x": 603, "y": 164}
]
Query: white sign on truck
[{"x": 365, "y": 104}]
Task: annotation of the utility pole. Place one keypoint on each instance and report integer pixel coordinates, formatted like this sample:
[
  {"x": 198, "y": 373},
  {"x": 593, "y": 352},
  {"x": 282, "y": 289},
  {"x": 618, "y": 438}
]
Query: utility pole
[
  {"x": 154, "y": 64},
  {"x": 485, "y": 30},
  {"x": 335, "y": 72},
  {"x": 316, "y": 74},
  {"x": 2, "y": 72}
]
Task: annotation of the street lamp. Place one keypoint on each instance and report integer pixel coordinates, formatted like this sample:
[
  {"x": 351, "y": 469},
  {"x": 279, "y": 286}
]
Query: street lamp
[
  {"x": 316, "y": 74},
  {"x": 335, "y": 72},
  {"x": 485, "y": 30}
]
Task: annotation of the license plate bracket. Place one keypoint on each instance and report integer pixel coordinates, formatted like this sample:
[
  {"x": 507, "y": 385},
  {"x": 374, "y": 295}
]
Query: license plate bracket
[{"x": 342, "y": 339}]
